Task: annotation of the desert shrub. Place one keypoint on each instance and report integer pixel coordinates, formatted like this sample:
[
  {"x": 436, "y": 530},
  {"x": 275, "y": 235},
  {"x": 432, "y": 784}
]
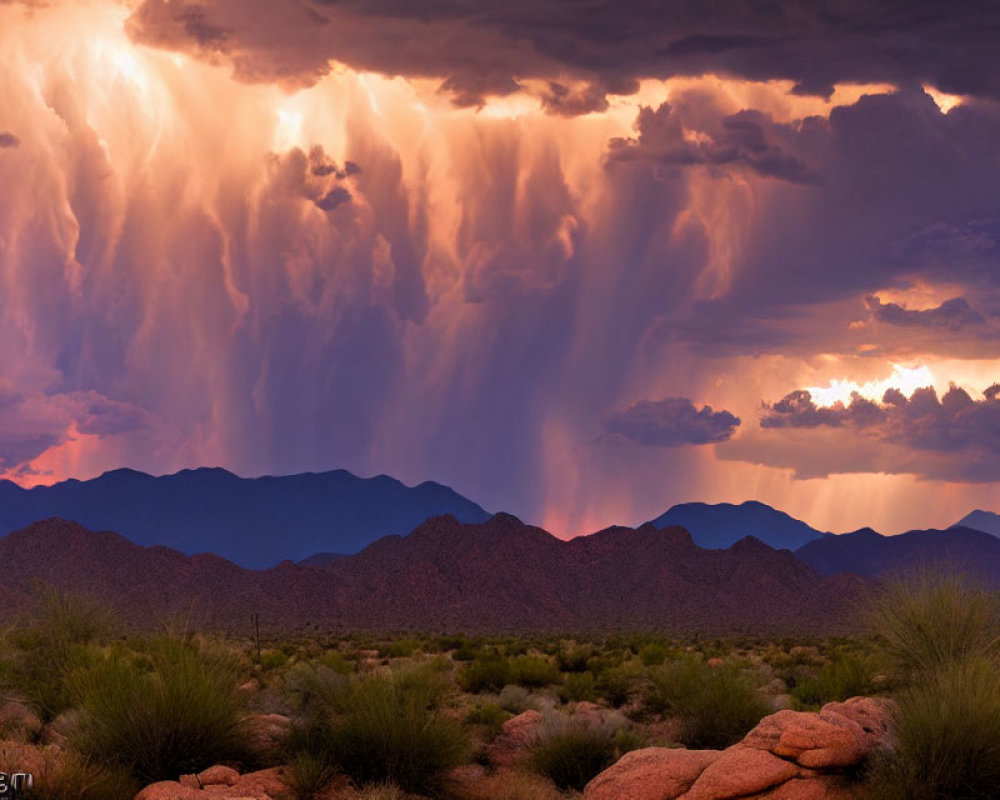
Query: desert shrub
[
  {"x": 383, "y": 790},
  {"x": 486, "y": 673},
  {"x": 515, "y": 699},
  {"x": 273, "y": 659},
  {"x": 314, "y": 688},
  {"x": 58, "y": 642},
  {"x": 574, "y": 658},
  {"x": 386, "y": 727},
  {"x": 716, "y": 706},
  {"x": 577, "y": 686},
  {"x": 843, "y": 677},
  {"x": 308, "y": 772},
  {"x": 654, "y": 654},
  {"x": 401, "y": 648},
  {"x": 177, "y": 714},
  {"x": 618, "y": 684},
  {"x": 571, "y": 755},
  {"x": 947, "y": 730},
  {"x": 74, "y": 778},
  {"x": 930, "y": 619},
  {"x": 490, "y": 716},
  {"x": 335, "y": 661},
  {"x": 533, "y": 672}
]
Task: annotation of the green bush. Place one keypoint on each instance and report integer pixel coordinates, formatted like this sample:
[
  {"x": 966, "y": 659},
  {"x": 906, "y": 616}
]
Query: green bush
[
  {"x": 947, "y": 730},
  {"x": 572, "y": 756},
  {"x": 78, "y": 779},
  {"x": 654, "y": 654},
  {"x": 308, "y": 773},
  {"x": 844, "y": 677},
  {"x": 533, "y": 672},
  {"x": 490, "y": 716},
  {"x": 273, "y": 659},
  {"x": 617, "y": 685},
  {"x": 486, "y": 673},
  {"x": 391, "y": 727},
  {"x": 177, "y": 713},
  {"x": 574, "y": 658},
  {"x": 716, "y": 706},
  {"x": 576, "y": 687},
  {"x": 931, "y": 619}
]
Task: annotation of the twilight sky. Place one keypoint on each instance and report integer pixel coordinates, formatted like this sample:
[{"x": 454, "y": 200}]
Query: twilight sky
[{"x": 578, "y": 259}]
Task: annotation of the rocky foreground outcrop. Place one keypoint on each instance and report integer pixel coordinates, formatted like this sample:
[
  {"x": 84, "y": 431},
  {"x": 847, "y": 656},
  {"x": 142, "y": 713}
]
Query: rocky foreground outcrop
[{"x": 790, "y": 755}]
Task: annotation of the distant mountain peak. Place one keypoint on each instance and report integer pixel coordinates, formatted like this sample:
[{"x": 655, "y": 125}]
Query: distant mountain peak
[
  {"x": 720, "y": 525},
  {"x": 981, "y": 520}
]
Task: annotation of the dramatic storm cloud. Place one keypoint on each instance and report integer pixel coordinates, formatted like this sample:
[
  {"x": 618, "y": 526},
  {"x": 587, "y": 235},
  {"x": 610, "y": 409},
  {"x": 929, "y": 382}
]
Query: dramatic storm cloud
[
  {"x": 671, "y": 422},
  {"x": 549, "y": 253}
]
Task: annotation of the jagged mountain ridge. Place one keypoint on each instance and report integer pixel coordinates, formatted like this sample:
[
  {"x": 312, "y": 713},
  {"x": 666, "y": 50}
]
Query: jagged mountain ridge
[
  {"x": 864, "y": 552},
  {"x": 500, "y": 575},
  {"x": 254, "y": 522}
]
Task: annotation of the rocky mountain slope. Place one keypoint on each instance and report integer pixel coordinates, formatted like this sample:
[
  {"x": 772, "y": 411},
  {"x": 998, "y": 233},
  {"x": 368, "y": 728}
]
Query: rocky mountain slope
[{"x": 446, "y": 576}]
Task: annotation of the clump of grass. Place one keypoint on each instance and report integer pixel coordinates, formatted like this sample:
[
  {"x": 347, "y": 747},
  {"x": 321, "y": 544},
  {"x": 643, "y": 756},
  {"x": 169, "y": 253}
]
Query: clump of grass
[
  {"x": 716, "y": 706},
  {"x": 490, "y": 716},
  {"x": 58, "y": 643},
  {"x": 843, "y": 677},
  {"x": 931, "y": 619},
  {"x": 383, "y": 790},
  {"x": 654, "y": 654},
  {"x": 309, "y": 773},
  {"x": 947, "y": 731},
  {"x": 577, "y": 686},
  {"x": 391, "y": 727},
  {"x": 533, "y": 672},
  {"x": 79, "y": 779},
  {"x": 571, "y": 755},
  {"x": 486, "y": 673},
  {"x": 574, "y": 658},
  {"x": 176, "y": 713}
]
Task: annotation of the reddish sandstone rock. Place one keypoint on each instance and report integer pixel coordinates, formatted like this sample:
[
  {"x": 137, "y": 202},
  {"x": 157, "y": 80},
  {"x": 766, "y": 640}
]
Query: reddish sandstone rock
[
  {"x": 169, "y": 790},
  {"x": 873, "y": 715},
  {"x": 265, "y": 783},
  {"x": 213, "y": 776},
  {"x": 810, "y": 740},
  {"x": 518, "y": 734},
  {"x": 821, "y": 788},
  {"x": 738, "y": 772},
  {"x": 653, "y": 773},
  {"x": 190, "y": 781}
]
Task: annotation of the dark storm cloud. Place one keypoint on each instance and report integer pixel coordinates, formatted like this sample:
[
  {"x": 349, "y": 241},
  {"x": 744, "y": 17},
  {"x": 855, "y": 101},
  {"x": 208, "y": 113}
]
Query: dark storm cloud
[
  {"x": 671, "y": 422},
  {"x": 746, "y": 138},
  {"x": 955, "y": 437},
  {"x": 953, "y": 314},
  {"x": 487, "y": 47},
  {"x": 8, "y": 139},
  {"x": 337, "y": 196}
]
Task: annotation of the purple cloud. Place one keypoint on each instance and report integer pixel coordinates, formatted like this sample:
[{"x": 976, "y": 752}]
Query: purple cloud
[{"x": 671, "y": 422}]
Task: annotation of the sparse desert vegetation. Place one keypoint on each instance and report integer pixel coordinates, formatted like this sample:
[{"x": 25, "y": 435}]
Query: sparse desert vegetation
[{"x": 99, "y": 715}]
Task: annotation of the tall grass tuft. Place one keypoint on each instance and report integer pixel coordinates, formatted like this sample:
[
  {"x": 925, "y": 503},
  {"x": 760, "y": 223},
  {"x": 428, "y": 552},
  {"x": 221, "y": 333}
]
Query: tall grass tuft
[
  {"x": 390, "y": 727},
  {"x": 930, "y": 619},
  {"x": 176, "y": 713},
  {"x": 716, "y": 706},
  {"x": 309, "y": 773},
  {"x": 572, "y": 754},
  {"x": 947, "y": 730}
]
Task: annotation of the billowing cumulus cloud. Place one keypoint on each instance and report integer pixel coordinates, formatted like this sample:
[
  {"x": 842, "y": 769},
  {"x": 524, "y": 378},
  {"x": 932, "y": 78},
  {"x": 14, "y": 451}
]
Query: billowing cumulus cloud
[
  {"x": 670, "y": 422},
  {"x": 744, "y": 139},
  {"x": 955, "y": 437}
]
